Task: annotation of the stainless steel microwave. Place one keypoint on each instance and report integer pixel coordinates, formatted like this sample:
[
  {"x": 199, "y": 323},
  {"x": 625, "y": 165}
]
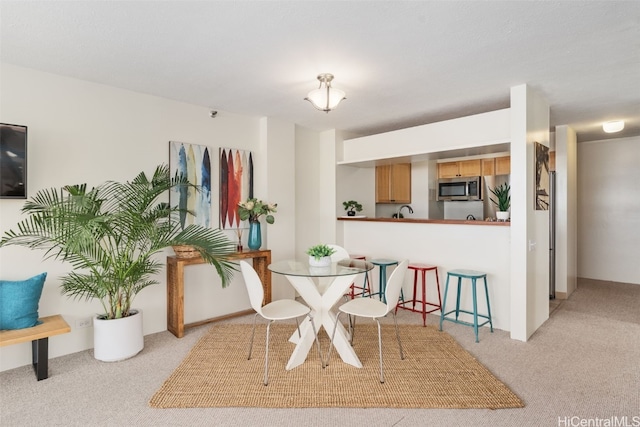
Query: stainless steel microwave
[{"x": 462, "y": 188}]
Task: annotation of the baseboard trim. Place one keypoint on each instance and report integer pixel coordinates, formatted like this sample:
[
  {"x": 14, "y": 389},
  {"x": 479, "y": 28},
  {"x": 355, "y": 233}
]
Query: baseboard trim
[{"x": 561, "y": 295}]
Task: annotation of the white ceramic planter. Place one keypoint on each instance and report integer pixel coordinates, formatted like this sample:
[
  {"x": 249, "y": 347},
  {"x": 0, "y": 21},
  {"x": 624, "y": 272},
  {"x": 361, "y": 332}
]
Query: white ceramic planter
[
  {"x": 322, "y": 262},
  {"x": 117, "y": 339},
  {"x": 502, "y": 216}
]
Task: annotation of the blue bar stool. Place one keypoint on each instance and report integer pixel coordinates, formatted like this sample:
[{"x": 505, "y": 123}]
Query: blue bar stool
[
  {"x": 473, "y": 275},
  {"x": 382, "y": 278}
]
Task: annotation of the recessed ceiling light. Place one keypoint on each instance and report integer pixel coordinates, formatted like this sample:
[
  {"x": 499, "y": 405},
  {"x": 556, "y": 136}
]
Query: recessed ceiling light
[{"x": 613, "y": 126}]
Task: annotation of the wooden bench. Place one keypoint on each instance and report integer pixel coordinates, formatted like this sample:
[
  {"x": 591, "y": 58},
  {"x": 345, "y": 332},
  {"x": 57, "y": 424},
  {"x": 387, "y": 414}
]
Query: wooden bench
[{"x": 39, "y": 337}]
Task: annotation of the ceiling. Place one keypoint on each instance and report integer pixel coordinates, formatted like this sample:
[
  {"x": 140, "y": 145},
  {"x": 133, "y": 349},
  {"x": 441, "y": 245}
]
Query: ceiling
[{"x": 401, "y": 63}]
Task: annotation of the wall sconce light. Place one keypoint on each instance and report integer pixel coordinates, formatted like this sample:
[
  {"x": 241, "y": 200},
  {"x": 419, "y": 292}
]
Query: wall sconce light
[
  {"x": 325, "y": 98},
  {"x": 613, "y": 126}
]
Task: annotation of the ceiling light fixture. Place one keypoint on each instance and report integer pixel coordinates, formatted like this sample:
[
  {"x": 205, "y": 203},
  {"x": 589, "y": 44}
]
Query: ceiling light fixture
[
  {"x": 613, "y": 126},
  {"x": 325, "y": 98}
]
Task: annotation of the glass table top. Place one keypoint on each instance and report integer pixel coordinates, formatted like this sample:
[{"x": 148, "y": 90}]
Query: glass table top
[{"x": 343, "y": 267}]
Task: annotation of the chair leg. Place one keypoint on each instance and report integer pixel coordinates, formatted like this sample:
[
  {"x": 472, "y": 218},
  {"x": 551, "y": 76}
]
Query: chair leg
[
  {"x": 415, "y": 286},
  {"x": 398, "y": 337},
  {"x": 253, "y": 332},
  {"x": 486, "y": 292},
  {"x": 367, "y": 285},
  {"x": 458, "y": 297},
  {"x": 352, "y": 329},
  {"x": 475, "y": 308},
  {"x": 424, "y": 297},
  {"x": 313, "y": 326},
  {"x": 380, "y": 350},
  {"x": 438, "y": 285},
  {"x": 298, "y": 328},
  {"x": 333, "y": 334},
  {"x": 266, "y": 355},
  {"x": 444, "y": 301}
]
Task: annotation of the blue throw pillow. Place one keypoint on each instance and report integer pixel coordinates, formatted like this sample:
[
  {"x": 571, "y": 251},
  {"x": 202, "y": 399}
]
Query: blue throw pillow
[{"x": 19, "y": 302}]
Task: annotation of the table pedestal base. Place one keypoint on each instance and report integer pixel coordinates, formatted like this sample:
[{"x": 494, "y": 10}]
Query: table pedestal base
[{"x": 321, "y": 305}]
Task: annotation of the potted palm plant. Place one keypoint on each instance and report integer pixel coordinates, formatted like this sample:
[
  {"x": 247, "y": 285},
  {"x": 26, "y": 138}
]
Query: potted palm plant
[
  {"x": 111, "y": 235},
  {"x": 502, "y": 201}
]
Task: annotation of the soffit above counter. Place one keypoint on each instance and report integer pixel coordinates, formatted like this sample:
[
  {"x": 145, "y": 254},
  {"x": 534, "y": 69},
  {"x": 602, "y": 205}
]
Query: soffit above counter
[
  {"x": 452, "y": 155},
  {"x": 478, "y": 135}
]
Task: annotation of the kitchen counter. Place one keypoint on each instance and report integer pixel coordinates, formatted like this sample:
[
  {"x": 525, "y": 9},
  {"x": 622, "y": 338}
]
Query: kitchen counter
[
  {"x": 448, "y": 244},
  {"x": 429, "y": 221}
]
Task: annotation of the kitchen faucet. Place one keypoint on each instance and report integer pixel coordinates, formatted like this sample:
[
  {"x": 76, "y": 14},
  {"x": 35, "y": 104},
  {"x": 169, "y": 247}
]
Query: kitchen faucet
[{"x": 399, "y": 213}]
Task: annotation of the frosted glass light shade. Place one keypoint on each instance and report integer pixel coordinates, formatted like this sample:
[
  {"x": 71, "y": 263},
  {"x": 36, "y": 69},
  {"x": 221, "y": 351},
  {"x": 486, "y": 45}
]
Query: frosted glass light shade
[
  {"x": 613, "y": 126},
  {"x": 325, "y": 99}
]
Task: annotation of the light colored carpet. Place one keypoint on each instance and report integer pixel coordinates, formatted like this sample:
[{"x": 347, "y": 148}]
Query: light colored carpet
[{"x": 436, "y": 373}]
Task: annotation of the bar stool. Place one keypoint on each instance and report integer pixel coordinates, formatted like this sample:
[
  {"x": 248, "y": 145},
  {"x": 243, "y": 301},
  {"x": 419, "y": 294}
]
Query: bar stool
[
  {"x": 422, "y": 268},
  {"x": 365, "y": 289},
  {"x": 473, "y": 275},
  {"x": 382, "y": 278}
]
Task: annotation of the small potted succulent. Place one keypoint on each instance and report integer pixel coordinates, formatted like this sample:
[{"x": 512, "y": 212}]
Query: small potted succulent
[
  {"x": 320, "y": 255},
  {"x": 502, "y": 201},
  {"x": 352, "y": 207}
]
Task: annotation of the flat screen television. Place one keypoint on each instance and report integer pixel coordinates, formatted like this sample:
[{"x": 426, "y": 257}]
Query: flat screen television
[{"x": 13, "y": 161}]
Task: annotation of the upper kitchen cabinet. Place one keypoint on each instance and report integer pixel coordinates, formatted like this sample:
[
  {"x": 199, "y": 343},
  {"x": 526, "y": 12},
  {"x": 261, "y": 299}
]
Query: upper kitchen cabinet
[
  {"x": 393, "y": 183},
  {"x": 488, "y": 167},
  {"x": 461, "y": 168},
  {"x": 503, "y": 165}
]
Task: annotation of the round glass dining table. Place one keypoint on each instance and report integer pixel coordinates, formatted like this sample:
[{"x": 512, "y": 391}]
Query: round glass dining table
[
  {"x": 343, "y": 267},
  {"x": 321, "y": 288}
]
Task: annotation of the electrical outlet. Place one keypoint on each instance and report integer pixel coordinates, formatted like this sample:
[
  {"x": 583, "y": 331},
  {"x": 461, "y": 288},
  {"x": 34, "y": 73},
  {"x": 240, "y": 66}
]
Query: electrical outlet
[{"x": 84, "y": 323}]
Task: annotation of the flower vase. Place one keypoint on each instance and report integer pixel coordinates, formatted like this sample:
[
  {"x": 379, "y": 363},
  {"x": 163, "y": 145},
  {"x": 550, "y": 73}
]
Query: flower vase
[{"x": 255, "y": 236}]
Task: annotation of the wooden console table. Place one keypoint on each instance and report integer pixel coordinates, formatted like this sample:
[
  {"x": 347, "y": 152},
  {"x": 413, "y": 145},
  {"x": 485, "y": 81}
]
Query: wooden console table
[{"x": 175, "y": 287}]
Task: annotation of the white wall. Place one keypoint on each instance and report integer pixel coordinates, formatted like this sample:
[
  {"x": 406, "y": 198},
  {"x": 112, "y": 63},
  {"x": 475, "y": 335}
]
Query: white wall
[
  {"x": 566, "y": 211},
  {"x": 278, "y": 142},
  {"x": 609, "y": 210},
  {"x": 529, "y": 228},
  {"x": 85, "y": 132}
]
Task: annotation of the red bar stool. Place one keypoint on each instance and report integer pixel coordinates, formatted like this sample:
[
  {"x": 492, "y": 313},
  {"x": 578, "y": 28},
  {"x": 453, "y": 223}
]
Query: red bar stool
[
  {"x": 365, "y": 289},
  {"x": 422, "y": 268}
]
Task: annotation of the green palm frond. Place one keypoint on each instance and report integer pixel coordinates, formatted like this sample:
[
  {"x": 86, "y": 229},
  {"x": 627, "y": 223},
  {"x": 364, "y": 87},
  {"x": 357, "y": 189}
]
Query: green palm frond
[{"x": 110, "y": 234}]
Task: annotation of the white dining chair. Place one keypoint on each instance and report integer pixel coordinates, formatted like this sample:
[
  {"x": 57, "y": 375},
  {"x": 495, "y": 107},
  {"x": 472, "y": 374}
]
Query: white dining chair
[
  {"x": 282, "y": 309},
  {"x": 375, "y": 309},
  {"x": 339, "y": 254}
]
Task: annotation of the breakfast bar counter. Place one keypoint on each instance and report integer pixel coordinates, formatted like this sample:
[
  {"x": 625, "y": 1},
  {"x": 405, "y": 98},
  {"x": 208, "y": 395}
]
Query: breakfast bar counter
[
  {"x": 447, "y": 244},
  {"x": 429, "y": 221}
]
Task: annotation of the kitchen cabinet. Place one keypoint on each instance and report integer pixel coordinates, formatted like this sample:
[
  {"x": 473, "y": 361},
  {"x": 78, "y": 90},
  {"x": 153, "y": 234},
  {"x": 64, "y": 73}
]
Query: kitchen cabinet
[
  {"x": 393, "y": 183},
  {"x": 503, "y": 165},
  {"x": 461, "y": 168},
  {"x": 488, "y": 167},
  {"x": 552, "y": 160}
]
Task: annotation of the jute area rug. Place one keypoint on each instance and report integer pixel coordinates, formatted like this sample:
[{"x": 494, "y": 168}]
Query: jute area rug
[{"x": 436, "y": 373}]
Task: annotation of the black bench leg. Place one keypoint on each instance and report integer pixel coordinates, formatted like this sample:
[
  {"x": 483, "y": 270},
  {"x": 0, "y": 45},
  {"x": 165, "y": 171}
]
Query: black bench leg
[{"x": 40, "y": 357}]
